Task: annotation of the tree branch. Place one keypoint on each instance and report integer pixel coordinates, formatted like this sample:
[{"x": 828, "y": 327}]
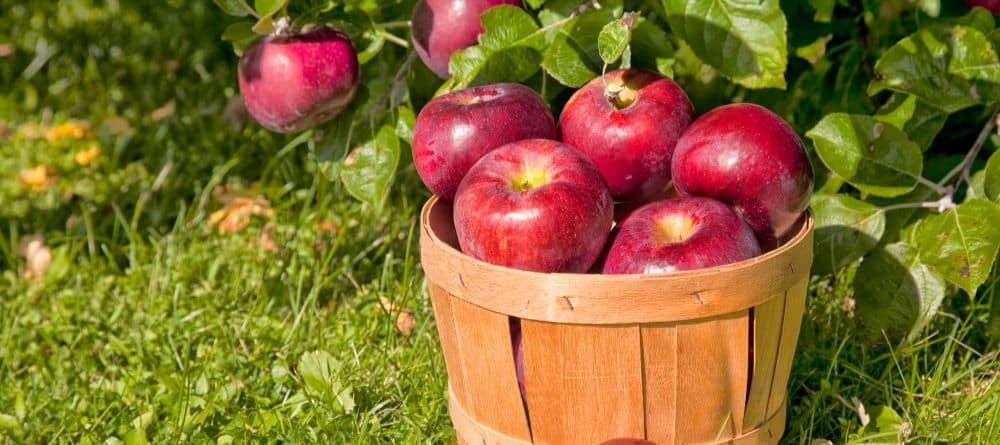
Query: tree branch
[{"x": 963, "y": 167}]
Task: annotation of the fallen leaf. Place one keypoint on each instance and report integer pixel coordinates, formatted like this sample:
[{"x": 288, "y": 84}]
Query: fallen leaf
[
  {"x": 328, "y": 227},
  {"x": 37, "y": 256},
  {"x": 405, "y": 323},
  {"x": 163, "y": 112},
  {"x": 236, "y": 214},
  {"x": 4, "y": 130},
  {"x": 266, "y": 238},
  {"x": 117, "y": 126},
  {"x": 6, "y": 49},
  {"x": 862, "y": 413},
  {"x": 68, "y": 130},
  {"x": 84, "y": 157},
  {"x": 36, "y": 179},
  {"x": 235, "y": 114}
]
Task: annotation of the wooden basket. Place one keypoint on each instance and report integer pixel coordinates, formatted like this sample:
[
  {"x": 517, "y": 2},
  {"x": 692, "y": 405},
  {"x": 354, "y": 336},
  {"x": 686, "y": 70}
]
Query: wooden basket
[{"x": 689, "y": 357}]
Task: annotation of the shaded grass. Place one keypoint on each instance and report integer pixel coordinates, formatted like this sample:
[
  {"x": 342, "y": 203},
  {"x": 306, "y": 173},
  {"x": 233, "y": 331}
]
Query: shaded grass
[{"x": 151, "y": 326}]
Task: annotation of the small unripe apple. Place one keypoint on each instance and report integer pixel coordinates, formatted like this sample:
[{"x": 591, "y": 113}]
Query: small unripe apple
[
  {"x": 441, "y": 27},
  {"x": 292, "y": 82}
]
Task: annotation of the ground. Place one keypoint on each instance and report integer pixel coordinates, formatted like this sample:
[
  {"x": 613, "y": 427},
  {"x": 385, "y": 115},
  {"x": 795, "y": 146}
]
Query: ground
[{"x": 205, "y": 285}]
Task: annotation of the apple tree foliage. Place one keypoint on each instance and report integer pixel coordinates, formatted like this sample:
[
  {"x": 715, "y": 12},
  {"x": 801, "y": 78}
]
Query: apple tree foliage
[{"x": 897, "y": 101}]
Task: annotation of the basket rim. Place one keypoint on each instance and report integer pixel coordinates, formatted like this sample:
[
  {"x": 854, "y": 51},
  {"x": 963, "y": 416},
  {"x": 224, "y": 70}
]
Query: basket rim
[{"x": 703, "y": 293}]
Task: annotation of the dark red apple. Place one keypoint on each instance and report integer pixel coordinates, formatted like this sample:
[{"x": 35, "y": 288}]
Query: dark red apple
[
  {"x": 294, "y": 82},
  {"x": 680, "y": 234},
  {"x": 515, "y": 342},
  {"x": 441, "y": 27},
  {"x": 454, "y": 130},
  {"x": 747, "y": 156},
  {"x": 535, "y": 205},
  {"x": 628, "y": 123},
  {"x": 992, "y": 5}
]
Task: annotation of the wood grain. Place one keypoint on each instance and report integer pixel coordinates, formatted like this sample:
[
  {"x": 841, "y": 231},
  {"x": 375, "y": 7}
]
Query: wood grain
[
  {"x": 767, "y": 326},
  {"x": 487, "y": 360},
  {"x": 609, "y": 299},
  {"x": 659, "y": 355},
  {"x": 795, "y": 301},
  {"x": 441, "y": 302},
  {"x": 583, "y": 383},
  {"x": 712, "y": 371}
]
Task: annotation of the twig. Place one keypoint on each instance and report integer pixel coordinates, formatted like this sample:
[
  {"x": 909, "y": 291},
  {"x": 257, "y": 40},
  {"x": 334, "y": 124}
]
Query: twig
[
  {"x": 395, "y": 39},
  {"x": 395, "y": 24},
  {"x": 945, "y": 203},
  {"x": 963, "y": 167}
]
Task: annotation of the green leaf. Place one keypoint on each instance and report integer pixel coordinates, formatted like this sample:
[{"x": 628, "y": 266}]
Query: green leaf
[
  {"x": 264, "y": 25},
  {"x": 572, "y": 58},
  {"x": 872, "y": 156},
  {"x": 651, "y": 47},
  {"x": 743, "y": 40},
  {"x": 991, "y": 178},
  {"x": 369, "y": 169},
  {"x": 238, "y": 8},
  {"x": 950, "y": 68},
  {"x": 320, "y": 376},
  {"x": 509, "y": 50},
  {"x": 846, "y": 229},
  {"x": 824, "y": 10},
  {"x": 240, "y": 34},
  {"x": 895, "y": 294},
  {"x": 920, "y": 121},
  {"x": 376, "y": 41},
  {"x": 961, "y": 244},
  {"x": 266, "y": 8},
  {"x": 614, "y": 38}
]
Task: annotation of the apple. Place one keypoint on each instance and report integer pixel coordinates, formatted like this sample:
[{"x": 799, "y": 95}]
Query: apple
[
  {"x": 454, "y": 130},
  {"x": 441, "y": 27},
  {"x": 747, "y": 156},
  {"x": 682, "y": 233},
  {"x": 294, "y": 81},
  {"x": 992, "y": 5},
  {"x": 628, "y": 123},
  {"x": 536, "y": 205},
  {"x": 515, "y": 342}
]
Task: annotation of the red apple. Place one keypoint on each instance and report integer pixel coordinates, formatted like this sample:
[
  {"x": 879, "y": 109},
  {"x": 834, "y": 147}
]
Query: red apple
[
  {"x": 294, "y": 82},
  {"x": 441, "y": 27},
  {"x": 535, "y": 205},
  {"x": 515, "y": 342},
  {"x": 680, "y": 234},
  {"x": 747, "y": 156},
  {"x": 628, "y": 123},
  {"x": 454, "y": 130},
  {"x": 992, "y": 5}
]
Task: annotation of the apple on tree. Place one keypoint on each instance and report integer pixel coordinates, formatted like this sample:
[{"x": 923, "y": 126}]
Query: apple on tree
[
  {"x": 992, "y": 5},
  {"x": 536, "y": 205},
  {"x": 441, "y": 27},
  {"x": 293, "y": 81},
  {"x": 680, "y": 234},
  {"x": 454, "y": 130},
  {"x": 628, "y": 122},
  {"x": 746, "y": 156}
]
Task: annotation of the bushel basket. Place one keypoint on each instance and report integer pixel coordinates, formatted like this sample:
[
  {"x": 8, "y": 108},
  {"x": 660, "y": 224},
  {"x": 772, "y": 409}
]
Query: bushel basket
[{"x": 688, "y": 357}]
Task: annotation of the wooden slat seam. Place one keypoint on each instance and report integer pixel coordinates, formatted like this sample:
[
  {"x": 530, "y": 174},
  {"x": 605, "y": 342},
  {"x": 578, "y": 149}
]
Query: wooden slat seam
[
  {"x": 642, "y": 374},
  {"x": 461, "y": 353},
  {"x": 676, "y": 336},
  {"x": 777, "y": 355}
]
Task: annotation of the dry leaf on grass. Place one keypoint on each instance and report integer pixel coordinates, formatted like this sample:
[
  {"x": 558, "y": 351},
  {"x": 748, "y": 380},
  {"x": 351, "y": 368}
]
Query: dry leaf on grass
[
  {"x": 6, "y": 49},
  {"x": 37, "y": 256},
  {"x": 266, "y": 238},
  {"x": 405, "y": 321},
  {"x": 37, "y": 178},
  {"x": 236, "y": 215},
  {"x": 163, "y": 112}
]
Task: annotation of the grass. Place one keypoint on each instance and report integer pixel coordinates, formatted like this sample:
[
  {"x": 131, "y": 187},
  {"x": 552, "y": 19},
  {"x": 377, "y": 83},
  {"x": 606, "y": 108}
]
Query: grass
[{"x": 151, "y": 326}]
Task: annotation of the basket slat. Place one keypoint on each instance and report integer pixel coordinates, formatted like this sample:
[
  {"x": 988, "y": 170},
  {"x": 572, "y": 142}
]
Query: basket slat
[
  {"x": 711, "y": 354},
  {"x": 659, "y": 354},
  {"x": 441, "y": 302},
  {"x": 768, "y": 321},
  {"x": 795, "y": 301},
  {"x": 487, "y": 357},
  {"x": 582, "y": 392}
]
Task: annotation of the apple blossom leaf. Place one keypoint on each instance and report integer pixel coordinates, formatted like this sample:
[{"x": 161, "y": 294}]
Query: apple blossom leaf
[
  {"x": 240, "y": 34},
  {"x": 961, "y": 244},
  {"x": 846, "y": 229},
  {"x": 991, "y": 178},
  {"x": 950, "y": 68},
  {"x": 615, "y": 37},
  {"x": 743, "y": 40},
  {"x": 874, "y": 157},
  {"x": 895, "y": 294},
  {"x": 267, "y": 8},
  {"x": 509, "y": 50},
  {"x": 368, "y": 171},
  {"x": 920, "y": 121},
  {"x": 238, "y": 8}
]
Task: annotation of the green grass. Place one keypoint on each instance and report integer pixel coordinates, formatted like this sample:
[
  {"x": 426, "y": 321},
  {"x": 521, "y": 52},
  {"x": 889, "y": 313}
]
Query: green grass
[{"x": 152, "y": 326}]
